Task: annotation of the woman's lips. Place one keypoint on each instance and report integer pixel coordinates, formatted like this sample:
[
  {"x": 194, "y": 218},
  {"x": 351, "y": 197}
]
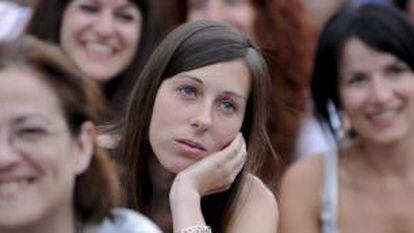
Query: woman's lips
[
  {"x": 384, "y": 118},
  {"x": 191, "y": 148},
  {"x": 192, "y": 143}
]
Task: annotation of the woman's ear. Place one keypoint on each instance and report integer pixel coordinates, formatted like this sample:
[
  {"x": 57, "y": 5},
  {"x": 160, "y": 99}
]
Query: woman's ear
[{"x": 85, "y": 146}]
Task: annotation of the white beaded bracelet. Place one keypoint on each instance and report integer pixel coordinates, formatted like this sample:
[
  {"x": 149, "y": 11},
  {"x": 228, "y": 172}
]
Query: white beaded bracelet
[{"x": 199, "y": 228}]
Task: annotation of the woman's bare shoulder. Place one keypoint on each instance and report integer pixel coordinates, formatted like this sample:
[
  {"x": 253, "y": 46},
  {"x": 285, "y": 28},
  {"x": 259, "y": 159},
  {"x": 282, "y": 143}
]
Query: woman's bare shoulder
[
  {"x": 257, "y": 204},
  {"x": 258, "y": 194},
  {"x": 300, "y": 196},
  {"x": 305, "y": 172}
]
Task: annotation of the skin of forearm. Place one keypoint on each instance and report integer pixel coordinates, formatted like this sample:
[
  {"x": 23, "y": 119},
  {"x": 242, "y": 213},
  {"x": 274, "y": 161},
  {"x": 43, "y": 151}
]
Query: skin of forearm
[{"x": 185, "y": 205}]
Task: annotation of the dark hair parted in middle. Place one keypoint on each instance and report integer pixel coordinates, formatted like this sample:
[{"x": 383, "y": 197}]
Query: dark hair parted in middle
[
  {"x": 380, "y": 27},
  {"x": 189, "y": 47}
]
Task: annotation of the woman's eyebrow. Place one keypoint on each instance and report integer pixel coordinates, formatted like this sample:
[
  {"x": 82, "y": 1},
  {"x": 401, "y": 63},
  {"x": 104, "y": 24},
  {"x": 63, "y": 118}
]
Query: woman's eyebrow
[
  {"x": 235, "y": 94},
  {"x": 183, "y": 75},
  {"x": 29, "y": 117}
]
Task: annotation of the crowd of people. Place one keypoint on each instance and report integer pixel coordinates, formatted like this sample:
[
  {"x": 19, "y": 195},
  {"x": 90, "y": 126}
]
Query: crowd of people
[{"x": 200, "y": 116}]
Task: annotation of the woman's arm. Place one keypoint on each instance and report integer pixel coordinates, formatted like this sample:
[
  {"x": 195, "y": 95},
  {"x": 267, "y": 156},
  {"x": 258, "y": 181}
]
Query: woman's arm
[
  {"x": 300, "y": 197},
  {"x": 212, "y": 174}
]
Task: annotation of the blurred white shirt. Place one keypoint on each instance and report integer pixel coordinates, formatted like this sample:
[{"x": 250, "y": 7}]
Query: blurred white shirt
[
  {"x": 13, "y": 18},
  {"x": 314, "y": 139}
]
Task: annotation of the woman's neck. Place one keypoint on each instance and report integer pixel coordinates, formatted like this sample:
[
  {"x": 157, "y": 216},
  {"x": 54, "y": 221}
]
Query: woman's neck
[{"x": 392, "y": 160}]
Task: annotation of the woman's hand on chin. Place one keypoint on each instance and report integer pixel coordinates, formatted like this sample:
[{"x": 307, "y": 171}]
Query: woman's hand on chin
[{"x": 214, "y": 173}]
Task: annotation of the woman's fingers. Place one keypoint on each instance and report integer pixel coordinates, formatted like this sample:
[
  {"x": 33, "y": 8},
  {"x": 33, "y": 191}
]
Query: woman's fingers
[
  {"x": 216, "y": 172},
  {"x": 230, "y": 164}
]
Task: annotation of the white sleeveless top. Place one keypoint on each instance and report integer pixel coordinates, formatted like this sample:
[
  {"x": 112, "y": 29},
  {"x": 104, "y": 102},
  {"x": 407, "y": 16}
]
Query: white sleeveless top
[{"x": 329, "y": 213}]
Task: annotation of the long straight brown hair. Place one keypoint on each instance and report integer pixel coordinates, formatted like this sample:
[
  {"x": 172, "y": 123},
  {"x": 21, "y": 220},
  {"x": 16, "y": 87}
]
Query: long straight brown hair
[
  {"x": 284, "y": 33},
  {"x": 192, "y": 46}
]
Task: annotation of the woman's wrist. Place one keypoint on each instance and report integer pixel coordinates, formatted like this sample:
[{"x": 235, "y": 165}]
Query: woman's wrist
[
  {"x": 185, "y": 203},
  {"x": 182, "y": 189}
]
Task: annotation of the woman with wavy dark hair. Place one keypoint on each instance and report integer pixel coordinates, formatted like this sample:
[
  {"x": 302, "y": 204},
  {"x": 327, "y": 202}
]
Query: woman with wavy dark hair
[{"x": 283, "y": 32}]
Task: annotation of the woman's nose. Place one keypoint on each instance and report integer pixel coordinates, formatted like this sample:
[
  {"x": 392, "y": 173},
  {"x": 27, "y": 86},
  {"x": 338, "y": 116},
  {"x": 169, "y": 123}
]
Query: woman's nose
[
  {"x": 202, "y": 118},
  {"x": 381, "y": 91}
]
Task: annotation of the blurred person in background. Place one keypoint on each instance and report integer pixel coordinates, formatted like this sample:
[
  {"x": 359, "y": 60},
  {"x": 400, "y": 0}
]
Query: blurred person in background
[
  {"x": 283, "y": 32},
  {"x": 321, "y": 10},
  {"x": 364, "y": 67},
  {"x": 110, "y": 40},
  {"x": 314, "y": 139},
  {"x": 53, "y": 177}
]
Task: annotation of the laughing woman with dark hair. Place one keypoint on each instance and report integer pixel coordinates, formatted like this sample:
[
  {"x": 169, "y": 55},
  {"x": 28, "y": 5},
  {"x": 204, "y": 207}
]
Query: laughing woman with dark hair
[{"x": 364, "y": 68}]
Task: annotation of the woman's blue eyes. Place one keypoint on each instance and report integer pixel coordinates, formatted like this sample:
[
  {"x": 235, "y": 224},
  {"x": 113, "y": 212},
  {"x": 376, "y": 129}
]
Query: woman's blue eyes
[
  {"x": 191, "y": 92},
  {"x": 188, "y": 91},
  {"x": 228, "y": 106}
]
